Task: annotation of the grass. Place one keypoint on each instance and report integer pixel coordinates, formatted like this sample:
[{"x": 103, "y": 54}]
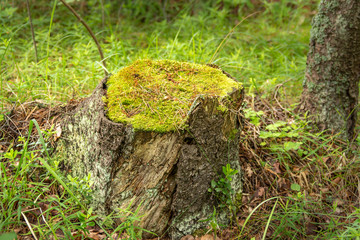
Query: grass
[
  {"x": 313, "y": 177},
  {"x": 38, "y": 200},
  {"x": 260, "y": 48},
  {"x": 28, "y": 183}
]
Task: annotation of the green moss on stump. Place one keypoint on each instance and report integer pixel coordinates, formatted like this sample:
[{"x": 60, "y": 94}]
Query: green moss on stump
[{"x": 157, "y": 95}]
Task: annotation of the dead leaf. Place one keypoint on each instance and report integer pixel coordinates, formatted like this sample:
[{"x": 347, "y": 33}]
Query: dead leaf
[
  {"x": 248, "y": 171},
  {"x": 338, "y": 211},
  {"x": 311, "y": 229},
  {"x": 338, "y": 202},
  {"x": 260, "y": 192},
  {"x": 276, "y": 167},
  {"x": 326, "y": 159},
  {"x": 283, "y": 185},
  {"x": 187, "y": 237},
  {"x": 324, "y": 190},
  {"x": 241, "y": 222},
  {"x": 336, "y": 181},
  {"x": 57, "y": 133},
  {"x": 208, "y": 237},
  {"x": 96, "y": 236}
]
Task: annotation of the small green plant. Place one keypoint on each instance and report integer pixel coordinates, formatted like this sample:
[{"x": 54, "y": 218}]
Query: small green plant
[
  {"x": 279, "y": 129},
  {"x": 226, "y": 195},
  {"x": 352, "y": 230},
  {"x": 129, "y": 221},
  {"x": 81, "y": 187},
  {"x": 287, "y": 133},
  {"x": 86, "y": 219},
  {"x": 222, "y": 188},
  {"x": 253, "y": 116},
  {"x": 295, "y": 187}
]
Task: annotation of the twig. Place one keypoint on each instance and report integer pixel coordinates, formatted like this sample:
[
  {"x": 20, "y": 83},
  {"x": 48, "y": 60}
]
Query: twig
[
  {"x": 277, "y": 88},
  {"x": 102, "y": 13},
  {"x": 32, "y": 29},
  {"x": 90, "y": 32},
  {"x": 42, "y": 216},
  {"x": 29, "y": 225}
]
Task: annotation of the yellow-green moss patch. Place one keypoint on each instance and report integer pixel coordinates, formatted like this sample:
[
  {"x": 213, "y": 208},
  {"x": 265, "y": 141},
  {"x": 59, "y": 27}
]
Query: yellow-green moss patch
[{"x": 157, "y": 95}]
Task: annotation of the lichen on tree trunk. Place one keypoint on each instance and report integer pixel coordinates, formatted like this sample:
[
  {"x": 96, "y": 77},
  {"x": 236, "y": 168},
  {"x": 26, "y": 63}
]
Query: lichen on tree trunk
[
  {"x": 166, "y": 176},
  {"x": 331, "y": 89}
]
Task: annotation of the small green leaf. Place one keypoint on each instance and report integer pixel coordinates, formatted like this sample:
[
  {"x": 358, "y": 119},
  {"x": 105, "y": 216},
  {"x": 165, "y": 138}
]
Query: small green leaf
[
  {"x": 286, "y": 129},
  {"x": 8, "y": 12},
  {"x": 213, "y": 184},
  {"x": 295, "y": 187},
  {"x": 292, "y": 134},
  {"x": 292, "y": 145},
  {"x": 271, "y": 127},
  {"x": 91, "y": 224},
  {"x": 300, "y": 152},
  {"x": 265, "y": 134},
  {"x": 255, "y": 121},
  {"x": 275, "y": 126},
  {"x": 253, "y": 116}
]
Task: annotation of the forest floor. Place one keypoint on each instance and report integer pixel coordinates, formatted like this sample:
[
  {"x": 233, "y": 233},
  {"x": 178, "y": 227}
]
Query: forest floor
[{"x": 298, "y": 184}]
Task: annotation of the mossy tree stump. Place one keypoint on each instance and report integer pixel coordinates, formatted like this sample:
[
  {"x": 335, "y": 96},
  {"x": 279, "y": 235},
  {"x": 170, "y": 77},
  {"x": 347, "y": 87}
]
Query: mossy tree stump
[{"x": 173, "y": 127}]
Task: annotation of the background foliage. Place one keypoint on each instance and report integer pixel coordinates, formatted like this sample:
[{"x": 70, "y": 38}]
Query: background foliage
[{"x": 266, "y": 49}]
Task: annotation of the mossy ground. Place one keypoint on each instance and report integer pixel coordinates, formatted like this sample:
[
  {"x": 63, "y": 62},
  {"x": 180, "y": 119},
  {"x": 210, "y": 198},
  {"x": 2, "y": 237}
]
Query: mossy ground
[{"x": 157, "y": 95}]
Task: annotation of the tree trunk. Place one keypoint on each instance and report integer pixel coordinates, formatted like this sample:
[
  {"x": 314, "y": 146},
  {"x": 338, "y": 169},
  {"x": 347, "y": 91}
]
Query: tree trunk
[
  {"x": 165, "y": 175},
  {"x": 331, "y": 89}
]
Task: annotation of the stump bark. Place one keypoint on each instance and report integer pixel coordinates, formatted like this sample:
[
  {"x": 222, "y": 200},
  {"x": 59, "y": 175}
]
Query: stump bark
[{"x": 166, "y": 176}]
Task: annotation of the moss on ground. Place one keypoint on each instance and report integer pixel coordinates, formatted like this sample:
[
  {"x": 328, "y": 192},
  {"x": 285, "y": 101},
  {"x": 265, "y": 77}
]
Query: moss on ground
[{"x": 157, "y": 95}]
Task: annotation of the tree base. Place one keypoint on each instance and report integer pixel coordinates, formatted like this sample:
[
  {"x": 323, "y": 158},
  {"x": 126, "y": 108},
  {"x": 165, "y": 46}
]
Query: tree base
[{"x": 165, "y": 177}]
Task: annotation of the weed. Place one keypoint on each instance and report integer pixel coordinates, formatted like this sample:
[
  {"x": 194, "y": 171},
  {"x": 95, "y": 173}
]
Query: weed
[
  {"x": 253, "y": 116},
  {"x": 222, "y": 188},
  {"x": 223, "y": 191},
  {"x": 286, "y": 137}
]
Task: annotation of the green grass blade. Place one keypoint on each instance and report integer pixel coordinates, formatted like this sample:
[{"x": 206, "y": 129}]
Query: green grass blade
[
  {"x": 253, "y": 211},
  {"x": 269, "y": 220},
  {"x": 48, "y": 40}
]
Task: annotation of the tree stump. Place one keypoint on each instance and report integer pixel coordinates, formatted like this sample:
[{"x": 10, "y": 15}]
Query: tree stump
[{"x": 163, "y": 168}]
